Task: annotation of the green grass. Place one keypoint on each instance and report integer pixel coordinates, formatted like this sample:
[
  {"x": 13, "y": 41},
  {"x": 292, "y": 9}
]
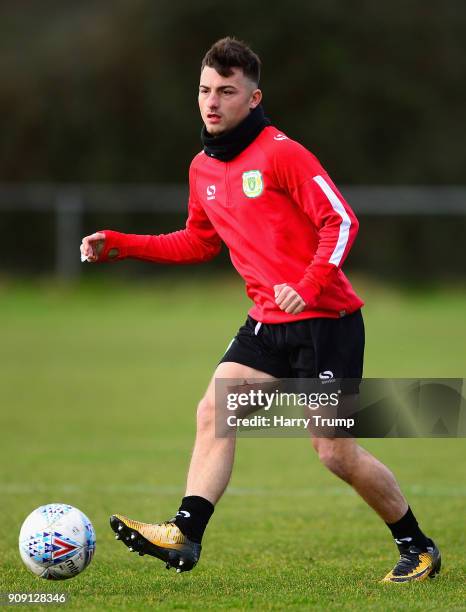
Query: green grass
[{"x": 98, "y": 394}]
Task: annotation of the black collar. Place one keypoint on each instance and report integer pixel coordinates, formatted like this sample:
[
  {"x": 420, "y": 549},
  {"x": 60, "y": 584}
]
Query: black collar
[{"x": 227, "y": 146}]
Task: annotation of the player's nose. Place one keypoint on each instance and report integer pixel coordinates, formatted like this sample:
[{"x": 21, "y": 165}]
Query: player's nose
[{"x": 212, "y": 101}]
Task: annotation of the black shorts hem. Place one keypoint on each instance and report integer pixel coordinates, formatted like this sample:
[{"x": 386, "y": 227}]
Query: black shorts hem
[{"x": 251, "y": 362}]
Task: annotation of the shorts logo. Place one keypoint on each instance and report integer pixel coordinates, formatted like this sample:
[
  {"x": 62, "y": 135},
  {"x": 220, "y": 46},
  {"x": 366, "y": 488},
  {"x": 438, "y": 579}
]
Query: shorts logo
[
  {"x": 253, "y": 184},
  {"x": 326, "y": 375}
]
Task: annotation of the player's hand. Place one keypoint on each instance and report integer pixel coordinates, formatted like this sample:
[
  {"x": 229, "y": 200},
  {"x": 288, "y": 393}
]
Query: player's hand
[
  {"x": 91, "y": 247},
  {"x": 288, "y": 299}
]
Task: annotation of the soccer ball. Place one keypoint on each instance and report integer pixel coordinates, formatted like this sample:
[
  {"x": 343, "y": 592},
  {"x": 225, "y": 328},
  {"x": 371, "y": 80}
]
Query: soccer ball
[{"x": 57, "y": 541}]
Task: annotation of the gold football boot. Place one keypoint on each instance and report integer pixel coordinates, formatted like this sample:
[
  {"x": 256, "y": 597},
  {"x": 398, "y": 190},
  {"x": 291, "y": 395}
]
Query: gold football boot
[{"x": 162, "y": 540}]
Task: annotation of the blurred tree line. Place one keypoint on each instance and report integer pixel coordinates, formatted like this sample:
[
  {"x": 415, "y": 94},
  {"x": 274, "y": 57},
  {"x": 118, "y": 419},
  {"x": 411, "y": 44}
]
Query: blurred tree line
[
  {"x": 106, "y": 91},
  {"x": 96, "y": 91}
]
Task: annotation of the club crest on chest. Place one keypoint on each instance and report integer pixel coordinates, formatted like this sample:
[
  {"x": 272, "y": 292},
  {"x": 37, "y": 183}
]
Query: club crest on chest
[{"x": 253, "y": 184}]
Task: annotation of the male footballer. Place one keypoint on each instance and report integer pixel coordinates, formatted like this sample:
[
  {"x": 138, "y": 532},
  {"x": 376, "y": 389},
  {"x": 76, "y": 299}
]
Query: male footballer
[{"x": 288, "y": 230}]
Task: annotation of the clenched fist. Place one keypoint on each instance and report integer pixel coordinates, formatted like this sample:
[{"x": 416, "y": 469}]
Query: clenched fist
[
  {"x": 287, "y": 299},
  {"x": 91, "y": 247}
]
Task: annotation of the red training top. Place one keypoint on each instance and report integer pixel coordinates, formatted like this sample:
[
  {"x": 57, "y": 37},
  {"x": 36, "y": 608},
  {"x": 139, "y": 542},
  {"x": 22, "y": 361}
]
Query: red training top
[{"x": 281, "y": 217}]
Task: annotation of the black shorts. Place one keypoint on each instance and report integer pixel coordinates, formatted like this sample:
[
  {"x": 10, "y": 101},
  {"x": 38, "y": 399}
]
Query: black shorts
[{"x": 319, "y": 348}]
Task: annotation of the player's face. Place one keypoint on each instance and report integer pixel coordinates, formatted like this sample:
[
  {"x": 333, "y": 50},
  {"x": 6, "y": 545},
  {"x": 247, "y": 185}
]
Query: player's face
[{"x": 226, "y": 101}]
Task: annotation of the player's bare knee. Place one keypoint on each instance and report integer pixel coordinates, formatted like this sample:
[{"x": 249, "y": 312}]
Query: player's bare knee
[
  {"x": 205, "y": 415},
  {"x": 336, "y": 457},
  {"x": 316, "y": 442}
]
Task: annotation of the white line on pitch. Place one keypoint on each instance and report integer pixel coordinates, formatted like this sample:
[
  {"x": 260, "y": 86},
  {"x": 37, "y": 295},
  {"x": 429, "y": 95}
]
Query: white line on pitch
[{"x": 29, "y": 488}]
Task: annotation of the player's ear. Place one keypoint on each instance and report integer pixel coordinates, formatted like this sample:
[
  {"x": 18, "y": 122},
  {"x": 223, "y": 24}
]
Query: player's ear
[{"x": 256, "y": 98}]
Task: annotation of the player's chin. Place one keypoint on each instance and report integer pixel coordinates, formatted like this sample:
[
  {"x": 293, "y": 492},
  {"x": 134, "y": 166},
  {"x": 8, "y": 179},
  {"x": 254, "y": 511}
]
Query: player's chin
[{"x": 215, "y": 130}]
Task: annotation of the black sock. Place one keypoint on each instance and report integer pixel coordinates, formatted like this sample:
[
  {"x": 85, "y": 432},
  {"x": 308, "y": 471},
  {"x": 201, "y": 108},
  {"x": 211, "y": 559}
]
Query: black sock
[
  {"x": 406, "y": 531},
  {"x": 193, "y": 516}
]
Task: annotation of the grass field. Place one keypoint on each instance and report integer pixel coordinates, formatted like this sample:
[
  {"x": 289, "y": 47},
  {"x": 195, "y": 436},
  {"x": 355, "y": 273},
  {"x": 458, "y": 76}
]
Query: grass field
[{"x": 98, "y": 394}]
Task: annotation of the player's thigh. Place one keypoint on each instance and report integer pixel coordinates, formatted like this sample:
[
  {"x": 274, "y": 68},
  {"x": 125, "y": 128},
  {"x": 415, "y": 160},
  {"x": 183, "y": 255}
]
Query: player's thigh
[
  {"x": 229, "y": 373},
  {"x": 229, "y": 380}
]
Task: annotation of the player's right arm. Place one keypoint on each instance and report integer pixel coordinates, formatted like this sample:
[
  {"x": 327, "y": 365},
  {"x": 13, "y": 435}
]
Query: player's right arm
[{"x": 196, "y": 243}]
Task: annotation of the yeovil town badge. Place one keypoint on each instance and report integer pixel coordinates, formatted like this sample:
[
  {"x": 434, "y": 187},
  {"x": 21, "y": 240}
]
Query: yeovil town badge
[{"x": 252, "y": 183}]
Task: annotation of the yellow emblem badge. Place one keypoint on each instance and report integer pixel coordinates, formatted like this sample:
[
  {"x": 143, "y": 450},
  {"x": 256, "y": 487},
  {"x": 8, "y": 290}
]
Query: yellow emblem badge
[{"x": 253, "y": 184}]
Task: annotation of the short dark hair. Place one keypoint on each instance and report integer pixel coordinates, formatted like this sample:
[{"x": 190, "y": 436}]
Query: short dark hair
[{"x": 228, "y": 53}]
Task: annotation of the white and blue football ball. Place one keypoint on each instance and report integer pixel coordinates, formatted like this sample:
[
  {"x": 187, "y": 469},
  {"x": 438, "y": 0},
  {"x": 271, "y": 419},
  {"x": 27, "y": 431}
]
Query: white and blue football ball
[{"x": 57, "y": 541}]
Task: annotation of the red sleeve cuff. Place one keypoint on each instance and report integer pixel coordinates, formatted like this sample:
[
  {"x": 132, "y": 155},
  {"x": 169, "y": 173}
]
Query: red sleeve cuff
[
  {"x": 309, "y": 293},
  {"x": 114, "y": 246},
  {"x": 317, "y": 278}
]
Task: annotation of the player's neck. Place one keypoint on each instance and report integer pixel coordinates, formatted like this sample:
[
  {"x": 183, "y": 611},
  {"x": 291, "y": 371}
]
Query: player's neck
[{"x": 228, "y": 145}]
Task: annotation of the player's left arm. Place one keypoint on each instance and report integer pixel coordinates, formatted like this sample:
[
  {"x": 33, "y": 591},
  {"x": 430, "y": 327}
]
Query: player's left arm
[{"x": 309, "y": 185}]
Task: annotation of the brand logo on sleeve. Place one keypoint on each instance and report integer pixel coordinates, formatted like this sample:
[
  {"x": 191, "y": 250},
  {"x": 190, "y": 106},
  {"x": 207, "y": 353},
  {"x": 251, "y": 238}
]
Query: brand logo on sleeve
[
  {"x": 253, "y": 185},
  {"x": 280, "y": 137},
  {"x": 211, "y": 192}
]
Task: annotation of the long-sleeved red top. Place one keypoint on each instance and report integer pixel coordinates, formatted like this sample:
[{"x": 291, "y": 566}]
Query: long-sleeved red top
[{"x": 281, "y": 217}]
